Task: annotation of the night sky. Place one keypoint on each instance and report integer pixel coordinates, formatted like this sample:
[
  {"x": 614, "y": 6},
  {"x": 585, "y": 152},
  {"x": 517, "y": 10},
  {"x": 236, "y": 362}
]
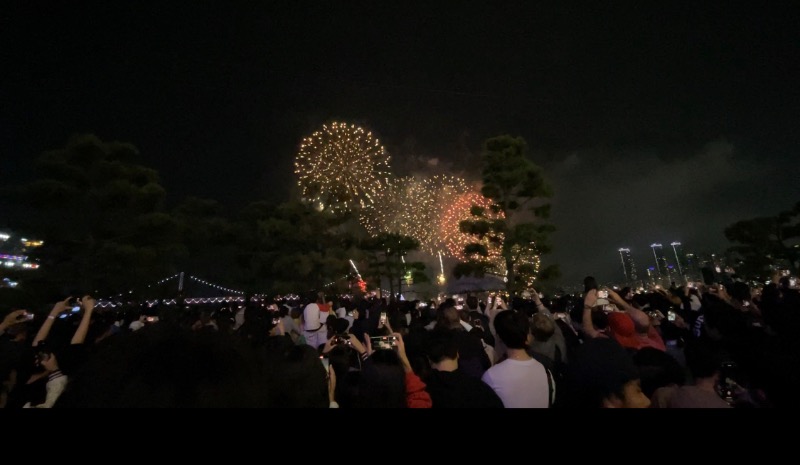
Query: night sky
[{"x": 653, "y": 124}]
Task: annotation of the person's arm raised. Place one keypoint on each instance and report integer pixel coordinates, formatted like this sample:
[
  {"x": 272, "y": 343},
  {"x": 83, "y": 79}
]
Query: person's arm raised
[
  {"x": 492, "y": 312},
  {"x": 401, "y": 351},
  {"x": 332, "y": 389},
  {"x": 10, "y": 320},
  {"x": 540, "y": 307},
  {"x": 358, "y": 346},
  {"x": 416, "y": 395},
  {"x": 329, "y": 345},
  {"x": 630, "y": 309},
  {"x": 620, "y": 301},
  {"x": 501, "y": 304},
  {"x": 88, "y": 303},
  {"x": 722, "y": 292},
  {"x": 51, "y": 318},
  {"x": 586, "y": 320}
]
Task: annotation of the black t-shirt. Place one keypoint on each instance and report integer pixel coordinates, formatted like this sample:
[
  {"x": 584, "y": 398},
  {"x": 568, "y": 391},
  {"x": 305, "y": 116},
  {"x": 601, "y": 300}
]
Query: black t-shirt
[
  {"x": 472, "y": 357},
  {"x": 455, "y": 389},
  {"x": 19, "y": 356}
]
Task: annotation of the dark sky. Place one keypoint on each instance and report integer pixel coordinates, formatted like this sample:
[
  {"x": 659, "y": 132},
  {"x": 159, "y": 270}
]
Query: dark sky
[{"x": 653, "y": 123}]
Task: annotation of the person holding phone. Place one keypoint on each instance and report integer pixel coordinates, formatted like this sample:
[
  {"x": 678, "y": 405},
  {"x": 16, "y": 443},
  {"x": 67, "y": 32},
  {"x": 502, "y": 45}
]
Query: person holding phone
[
  {"x": 48, "y": 357},
  {"x": 387, "y": 380},
  {"x": 13, "y": 318},
  {"x": 593, "y": 311},
  {"x": 704, "y": 361}
]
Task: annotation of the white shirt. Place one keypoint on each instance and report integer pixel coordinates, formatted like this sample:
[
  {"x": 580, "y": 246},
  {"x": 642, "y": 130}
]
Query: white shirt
[
  {"x": 56, "y": 383},
  {"x": 311, "y": 321},
  {"x": 289, "y": 325},
  {"x": 519, "y": 384},
  {"x": 135, "y": 324}
]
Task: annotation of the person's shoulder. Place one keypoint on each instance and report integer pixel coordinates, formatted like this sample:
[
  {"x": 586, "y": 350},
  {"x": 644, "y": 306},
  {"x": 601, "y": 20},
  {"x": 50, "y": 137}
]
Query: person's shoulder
[
  {"x": 662, "y": 396},
  {"x": 536, "y": 364}
]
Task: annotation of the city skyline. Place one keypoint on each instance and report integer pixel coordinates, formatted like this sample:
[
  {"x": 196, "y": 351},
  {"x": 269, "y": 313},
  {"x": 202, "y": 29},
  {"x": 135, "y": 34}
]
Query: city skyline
[{"x": 659, "y": 266}]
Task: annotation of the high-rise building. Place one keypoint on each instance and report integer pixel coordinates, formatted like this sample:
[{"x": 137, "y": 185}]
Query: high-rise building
[
  {"x": 661, "y": 264},
  {"x": 680, "y": 259},
  {"x": 674, "y": 276},
  {"x": 692, "y": 271},
  {"x": 628, "y": 267},
  {"x": 652, "y": 276}
]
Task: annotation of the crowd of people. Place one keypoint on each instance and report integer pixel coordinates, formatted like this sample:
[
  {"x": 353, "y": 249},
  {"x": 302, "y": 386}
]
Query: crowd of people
[{"x": 693, "y": 346}]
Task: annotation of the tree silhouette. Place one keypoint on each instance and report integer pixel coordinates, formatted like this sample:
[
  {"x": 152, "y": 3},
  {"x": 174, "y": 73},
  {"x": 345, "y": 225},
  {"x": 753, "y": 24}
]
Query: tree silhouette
[
  {"x": 519, "y": 193},
  {"x": 101, "y": 216}
]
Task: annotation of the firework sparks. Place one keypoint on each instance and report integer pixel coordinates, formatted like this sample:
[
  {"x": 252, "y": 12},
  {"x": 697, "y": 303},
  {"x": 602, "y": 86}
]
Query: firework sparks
[
  {"x": 341, "y": 167},
  {"x": 406, "y": 207}
]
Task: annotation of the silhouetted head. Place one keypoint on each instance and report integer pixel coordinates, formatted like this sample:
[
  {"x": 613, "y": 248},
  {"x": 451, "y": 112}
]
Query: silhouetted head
[
  {"x": 382, "y": 381},
  {"x": 302, "y": 381},
  {"x": 589, "y": 283},
  {"x": 449, "y": 318},
  {"x": 441, "y": 344},
  {"x": 542, "y": 327},
  {"x": 513, "y": 328}
]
